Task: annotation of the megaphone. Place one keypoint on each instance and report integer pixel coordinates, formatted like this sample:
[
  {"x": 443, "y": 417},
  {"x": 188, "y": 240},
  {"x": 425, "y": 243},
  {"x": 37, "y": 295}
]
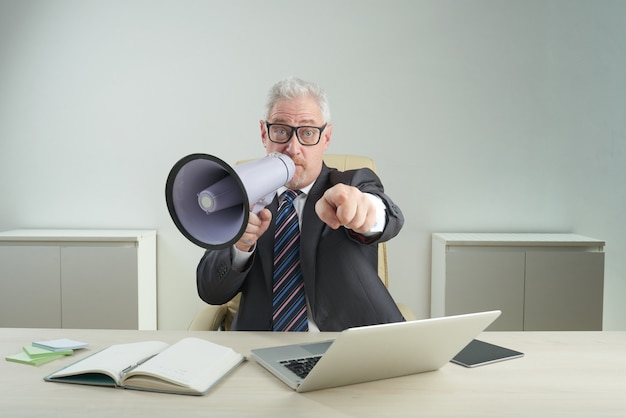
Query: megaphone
[{"x": 209, "y": 201}]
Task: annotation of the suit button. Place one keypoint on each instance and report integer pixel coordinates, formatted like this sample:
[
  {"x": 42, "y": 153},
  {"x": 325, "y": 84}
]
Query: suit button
[{"x": 222, "y": 270}]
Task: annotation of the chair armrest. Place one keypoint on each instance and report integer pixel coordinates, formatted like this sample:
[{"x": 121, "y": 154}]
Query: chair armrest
[
  {"x": 209, "y": 318},
  {"x": 406, "y": 312}
]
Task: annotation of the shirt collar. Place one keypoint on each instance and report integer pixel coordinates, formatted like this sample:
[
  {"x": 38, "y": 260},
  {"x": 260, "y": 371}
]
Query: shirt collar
[{"x": 305, "y": 190}]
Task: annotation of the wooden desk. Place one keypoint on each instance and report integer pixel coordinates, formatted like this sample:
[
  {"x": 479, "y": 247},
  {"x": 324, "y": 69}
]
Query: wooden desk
[{"x": 562, "y": 374}]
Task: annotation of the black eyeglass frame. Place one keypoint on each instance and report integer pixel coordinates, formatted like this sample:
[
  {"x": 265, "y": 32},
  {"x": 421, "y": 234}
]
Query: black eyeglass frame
[{"x": 295, "y": 129}]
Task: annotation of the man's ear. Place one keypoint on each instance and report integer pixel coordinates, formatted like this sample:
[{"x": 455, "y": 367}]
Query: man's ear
[
  {"x": 326, "y": 136},
  {"x": 263, "y": 132}
]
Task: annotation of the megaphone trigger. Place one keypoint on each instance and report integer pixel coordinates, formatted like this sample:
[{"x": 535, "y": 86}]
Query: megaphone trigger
[{"x": 262, "y": 203}]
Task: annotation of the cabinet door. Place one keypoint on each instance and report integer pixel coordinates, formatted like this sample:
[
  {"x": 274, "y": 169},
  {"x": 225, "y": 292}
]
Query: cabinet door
[
  {"x": 564, "y": 291},
  {"x": 99, "y": 283},
  {"x": 30, "y": 294},
  {"x": 481, "y": 280}
]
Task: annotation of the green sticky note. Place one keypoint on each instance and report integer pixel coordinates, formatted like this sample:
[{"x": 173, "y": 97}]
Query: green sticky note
[
  {"x": 37, "y": 352},
  {"x": 26, "y": 359}
]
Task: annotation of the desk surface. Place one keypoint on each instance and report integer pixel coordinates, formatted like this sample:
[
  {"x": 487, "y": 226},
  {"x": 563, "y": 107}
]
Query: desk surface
[{"x": 562, "y": 374}]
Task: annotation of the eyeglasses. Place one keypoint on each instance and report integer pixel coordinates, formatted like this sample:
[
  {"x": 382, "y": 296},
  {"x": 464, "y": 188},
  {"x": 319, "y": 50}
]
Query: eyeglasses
[{"x": 307, "y": 135}]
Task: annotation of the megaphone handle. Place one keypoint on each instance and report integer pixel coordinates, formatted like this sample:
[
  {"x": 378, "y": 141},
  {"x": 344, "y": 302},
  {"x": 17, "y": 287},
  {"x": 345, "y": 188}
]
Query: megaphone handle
[{"x": 263, "y": 202}]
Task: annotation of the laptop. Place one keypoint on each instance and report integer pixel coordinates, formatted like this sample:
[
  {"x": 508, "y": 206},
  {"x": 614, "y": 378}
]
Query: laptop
[{"x": 375, "y": 352}]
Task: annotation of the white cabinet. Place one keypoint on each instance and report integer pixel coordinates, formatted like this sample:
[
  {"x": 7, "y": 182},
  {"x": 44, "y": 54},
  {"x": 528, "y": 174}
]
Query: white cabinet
[
  {"x": 540, "y": 282},
  {"x": 78, "y": 279}
]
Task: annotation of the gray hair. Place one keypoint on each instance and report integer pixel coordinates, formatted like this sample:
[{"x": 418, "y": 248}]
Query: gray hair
[{"x": 293, "y": 87}]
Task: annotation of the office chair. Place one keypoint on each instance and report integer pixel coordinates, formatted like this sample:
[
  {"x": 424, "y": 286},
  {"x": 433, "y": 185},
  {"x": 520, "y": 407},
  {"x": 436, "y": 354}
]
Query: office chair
[{"x": 216, "y": 317}]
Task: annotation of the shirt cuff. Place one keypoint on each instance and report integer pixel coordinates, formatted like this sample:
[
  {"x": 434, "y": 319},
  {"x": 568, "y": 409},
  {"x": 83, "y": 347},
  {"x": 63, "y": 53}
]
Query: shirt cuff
[
  {"x": 381, "y": 215},
  {"x": 240, "y": 258}
]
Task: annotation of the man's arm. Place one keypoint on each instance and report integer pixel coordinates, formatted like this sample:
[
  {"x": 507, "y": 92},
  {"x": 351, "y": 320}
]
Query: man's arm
[
  {"x": 221, "y": 273},
  {"x": 355, "y": 201},
  {"x": 217, "y": 279}
]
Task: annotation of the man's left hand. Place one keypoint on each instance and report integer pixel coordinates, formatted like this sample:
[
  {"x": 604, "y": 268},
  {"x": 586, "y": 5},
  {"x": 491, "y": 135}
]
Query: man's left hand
[{"x": 347, "y": 206}]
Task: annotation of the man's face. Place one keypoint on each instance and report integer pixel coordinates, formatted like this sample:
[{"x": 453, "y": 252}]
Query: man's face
[{"x": 301, "y": 111}]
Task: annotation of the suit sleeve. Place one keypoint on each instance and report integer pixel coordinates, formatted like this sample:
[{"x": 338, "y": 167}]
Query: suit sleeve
[{"x": 217, "y": 280}]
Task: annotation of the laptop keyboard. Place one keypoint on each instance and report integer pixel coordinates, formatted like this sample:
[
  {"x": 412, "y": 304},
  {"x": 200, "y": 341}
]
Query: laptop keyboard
[{"x": 301, "y": 366}]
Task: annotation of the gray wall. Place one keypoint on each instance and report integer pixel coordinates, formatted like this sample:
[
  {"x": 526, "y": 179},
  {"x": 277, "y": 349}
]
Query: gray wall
[{"x": 483, "y": 116}]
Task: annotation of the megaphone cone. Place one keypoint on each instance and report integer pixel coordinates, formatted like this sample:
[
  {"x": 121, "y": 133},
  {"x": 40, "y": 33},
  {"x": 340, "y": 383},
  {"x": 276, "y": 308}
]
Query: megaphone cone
[{"x": 209, "y": 201}]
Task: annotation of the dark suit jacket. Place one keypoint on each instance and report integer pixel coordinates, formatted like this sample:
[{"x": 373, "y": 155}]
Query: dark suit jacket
[{"x": 340, "y": 270}]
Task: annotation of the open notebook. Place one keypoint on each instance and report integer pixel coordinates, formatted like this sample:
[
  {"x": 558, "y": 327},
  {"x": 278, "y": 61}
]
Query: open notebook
[
  {"x": 189, "y": 367},
  {"x": 373, "y": 352}
]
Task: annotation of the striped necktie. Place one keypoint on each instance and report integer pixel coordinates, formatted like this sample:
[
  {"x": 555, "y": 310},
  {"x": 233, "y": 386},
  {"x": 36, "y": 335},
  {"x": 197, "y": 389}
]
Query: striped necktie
[{"x": 289, "y": 302}]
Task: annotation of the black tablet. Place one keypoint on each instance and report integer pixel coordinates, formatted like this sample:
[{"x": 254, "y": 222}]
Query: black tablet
[{"x": 478, "y": 353}]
